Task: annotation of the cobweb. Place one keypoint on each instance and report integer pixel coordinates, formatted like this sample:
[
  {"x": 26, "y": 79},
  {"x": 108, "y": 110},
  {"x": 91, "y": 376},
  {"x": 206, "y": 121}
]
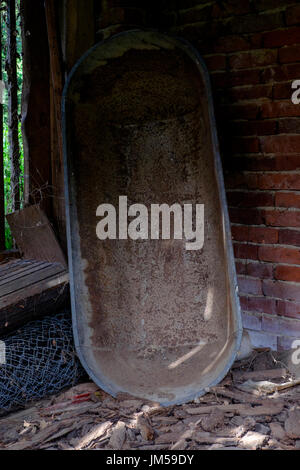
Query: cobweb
[{"x": 40, "y": 360}]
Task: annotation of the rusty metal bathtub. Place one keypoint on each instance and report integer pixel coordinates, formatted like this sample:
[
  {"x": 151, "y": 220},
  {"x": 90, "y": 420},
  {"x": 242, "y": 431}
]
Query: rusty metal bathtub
[{"x": 150, "y": 317}]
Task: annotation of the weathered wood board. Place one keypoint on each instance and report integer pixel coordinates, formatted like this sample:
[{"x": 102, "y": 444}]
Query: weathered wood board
[
  {"x": 34, "y": 235},
  {"x": 29, "y": 289}
]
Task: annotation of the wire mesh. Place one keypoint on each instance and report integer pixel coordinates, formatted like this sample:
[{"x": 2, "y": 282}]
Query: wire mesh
[{"x": 40, "y": 360}]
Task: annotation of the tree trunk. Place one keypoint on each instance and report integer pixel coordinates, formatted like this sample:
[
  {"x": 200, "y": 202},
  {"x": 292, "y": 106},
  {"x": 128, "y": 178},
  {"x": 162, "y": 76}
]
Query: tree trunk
[
  {"x": 11, "y": 68},
  {"x": 2, "y": 213}
]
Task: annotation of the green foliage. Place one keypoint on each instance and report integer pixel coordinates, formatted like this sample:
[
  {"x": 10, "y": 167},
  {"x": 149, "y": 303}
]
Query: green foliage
[{"x": 7, "y": 172}]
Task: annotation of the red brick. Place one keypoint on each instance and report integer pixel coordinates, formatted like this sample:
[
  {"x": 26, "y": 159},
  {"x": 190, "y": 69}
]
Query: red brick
[
  {"x": 293, "y": 15},
  {"x": 262, "y": 5},
  {"x": 260, "y": 270},
  {"x": 231, "y": 7},
  {"x": 254, "y": 234},
  {"x": 280, "y": 143},
  {"x": 240, "y": 233},
  {"x": 279, "y": 162},
  {"x": 255, "y": 23},
  {"x": 195, "y": 31},
  {"x": 250, "y": 199},
  {"x": 289, "y": 54},
  {"x": 281, "y": 37},
  {"x": 215, "y": 62},
  {"x": 262, "y": 235},
  {"x": 250, "y": 216},
  {"x": 282, "y": 218},
  {"x": 243, "y": 302},
  {"x": 243, "y": 77},
  {"x": 252, "y": 322},
  {"x": 183, "y": 4},
  {"x": 231, "y": 44},
  {"x": 277, "y": 254},
  {"x": 281, "y": 326},
  {"x": 287, "y": 273},
  {"x": 219, "y": 79},
  {"x": 261, "y": 305},
  {"x": 279, "y": 109},
  {"x": 247, "y": 128},
  {"x": 281, "y": 290},
  {"x": 277, "y": 181},
  {"x": 241, "y": 180},
  {"x": 287, "y": 162},
  {"x": 249, "y": 59},
  {"x": 262, "y": 162},
  {"x": 287, "y": 200},
  {"x": 258, "y": 162},
  {"x": 289, "y": 237},
  {"x": 289, "y": 125},
  {"x": 284, "y": 343},
  {"x": 247, "y": 285},
  {"x": 244, "y": 145},
  {"x": 240, "y": 111},
  {"x": 249, "y": 92},
  {"x": 195, "y": 14},
  {"x": 288, "y": 309},
  {"x": 291, "y": 70},
  {"x": 280, "y": 73},
  {"x": 245, "y": 251},
  {"x": 260, "y": 339},
  {"x": 240, "y": 267},
  {"x": 282, "y": 91}
]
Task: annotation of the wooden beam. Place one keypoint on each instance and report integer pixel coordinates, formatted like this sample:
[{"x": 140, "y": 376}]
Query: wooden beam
[
  {"x": 79, "y": 30},
  {"x": 57, "y": 81},
  {"x": 36, "y": 106}
]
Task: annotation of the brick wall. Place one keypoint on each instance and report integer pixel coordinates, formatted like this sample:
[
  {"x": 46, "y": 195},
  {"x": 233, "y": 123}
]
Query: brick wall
[{"x": 252, "y": 51}]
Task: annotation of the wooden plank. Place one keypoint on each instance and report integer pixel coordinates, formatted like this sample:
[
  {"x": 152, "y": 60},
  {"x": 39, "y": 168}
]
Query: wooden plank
[
  {"x": 14, "y": 267},
  {"x": 35, "y": 289},
  {"x": 34, "y": 235},
  {"x": 30, "y": 279},
  {"x": 49, "y": 300},
  {"x": 25, "y": 272},
  {"x": 7, "y": 255},
  {"x": 259, "y": 374}
]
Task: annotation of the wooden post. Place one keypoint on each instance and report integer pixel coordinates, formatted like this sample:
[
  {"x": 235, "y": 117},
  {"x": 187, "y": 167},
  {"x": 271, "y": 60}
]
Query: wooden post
[
  {"x": 56, "y": 74},
  {"x": 36, "y": 106},
  {"x": 80, "y": 26}
]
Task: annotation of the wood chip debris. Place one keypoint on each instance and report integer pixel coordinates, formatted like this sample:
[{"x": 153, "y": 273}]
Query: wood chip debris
[{"x": 227, "y": 417}]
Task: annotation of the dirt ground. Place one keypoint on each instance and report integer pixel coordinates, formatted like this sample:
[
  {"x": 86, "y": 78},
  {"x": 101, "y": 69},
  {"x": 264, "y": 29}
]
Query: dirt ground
[{"x": 257, "y": 406}]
